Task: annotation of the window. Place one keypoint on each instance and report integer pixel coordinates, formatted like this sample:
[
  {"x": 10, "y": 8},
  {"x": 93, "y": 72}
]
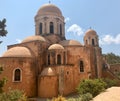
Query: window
[
  {"x": 81, "y": 66},
  {"x": 93, "y": 42},
  {"x": 51, "y": 27},
  {"x": 64, "y": 58},
  {"x": 17, "y": 75},
  {"x": 59, "y": 59},
  {"x": 86, "y": 42},
  {"x": 60, "y": 29},
  {"x": 67, "y": 72},
  {"x": 48, "y": 59},
  {"x": 40, "y": 28}
]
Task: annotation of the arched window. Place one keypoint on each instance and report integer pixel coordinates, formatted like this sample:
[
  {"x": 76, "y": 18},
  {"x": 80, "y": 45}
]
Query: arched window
[
  {"x": 93, "y": 42},
  {"x": 48, "y": 59},
  {"x": 17, "y": 75},
  {"x": 86, "y": 42},
  {"x": 64, "y": 58},
  {"x": 60, "y": 29},
  {"x": 59, "y": 59},
  {"x": 51, "y": 27},
  {"x": 40, "y": 28},
  {"x": 81, "y": 66}
]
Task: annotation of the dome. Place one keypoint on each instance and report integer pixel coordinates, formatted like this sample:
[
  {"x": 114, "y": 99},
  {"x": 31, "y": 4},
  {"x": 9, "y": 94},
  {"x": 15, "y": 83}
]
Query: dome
[
  {"x": 90, "y": 32},
  {"x": 70, "y": 43},
  {"x": 48, "y": 72},
  {"x": 34, "y": 38},
  {"x": 49, "y": 9},
  {"x": 55, "y": 46},
  {"x": 17, "y": 52}
]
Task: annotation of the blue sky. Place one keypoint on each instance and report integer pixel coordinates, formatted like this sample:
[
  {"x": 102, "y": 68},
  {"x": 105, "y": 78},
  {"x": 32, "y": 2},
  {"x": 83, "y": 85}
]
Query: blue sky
[{"x": 101, "y": 15}]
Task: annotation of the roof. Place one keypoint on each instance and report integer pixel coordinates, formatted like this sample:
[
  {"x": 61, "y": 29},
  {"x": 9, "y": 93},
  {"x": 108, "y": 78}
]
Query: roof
[
  {"x": 90, "y": 32},
  {"x": 48, "y": 72},
  {"x": 55, "y": 46},
  {"x": 34, "y": 38},
  {"x": 49, "y": 9},
  {"x": 17, "y": 52},
  {"x": 70, "y": 43}
]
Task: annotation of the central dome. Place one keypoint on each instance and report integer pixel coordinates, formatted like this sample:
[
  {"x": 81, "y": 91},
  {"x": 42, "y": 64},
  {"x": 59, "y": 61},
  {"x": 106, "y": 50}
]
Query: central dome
[
  {"x": 34, "y": 38},
  {"x": 49, "y": 9}
]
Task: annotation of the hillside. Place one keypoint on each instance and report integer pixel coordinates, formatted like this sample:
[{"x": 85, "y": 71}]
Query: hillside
[{"x": 112, "y": 58}]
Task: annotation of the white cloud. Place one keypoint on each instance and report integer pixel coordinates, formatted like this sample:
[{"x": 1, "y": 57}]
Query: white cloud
[
  {"x": 67, "y": 19},
  {"x": 109, "y": 39},
  {"x": 76, "y": 29},
  {"x": 18, "y": 40}
]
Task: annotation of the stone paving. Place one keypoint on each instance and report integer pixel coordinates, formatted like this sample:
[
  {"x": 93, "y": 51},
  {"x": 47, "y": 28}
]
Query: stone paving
[{"x": 111, "y": 94}]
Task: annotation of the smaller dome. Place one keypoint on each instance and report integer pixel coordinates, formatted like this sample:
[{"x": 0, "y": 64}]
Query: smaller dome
[
  {"x": 90, "y": 32},
  {"x": 34, "y": 38},
  {"x": 48, "y": 72},
  {"x": 70, "y": 43},
  {"x": 55, "y": 46},
  {"x": 49, "y": 9},
  {"x": 17, "y": 52}
]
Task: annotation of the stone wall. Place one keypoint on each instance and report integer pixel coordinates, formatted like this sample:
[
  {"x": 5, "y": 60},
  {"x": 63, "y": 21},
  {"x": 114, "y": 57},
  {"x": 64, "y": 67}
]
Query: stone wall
[
  {"x": 28, "y": 75},
  {"x": 47, "y": 86}
]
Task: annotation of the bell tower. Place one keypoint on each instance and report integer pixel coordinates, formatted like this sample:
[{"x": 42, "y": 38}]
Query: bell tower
[
  {"x": 91, "y": 38},
  {"x": 49, "y": 20},
  {"x": 92, "y": 42}
]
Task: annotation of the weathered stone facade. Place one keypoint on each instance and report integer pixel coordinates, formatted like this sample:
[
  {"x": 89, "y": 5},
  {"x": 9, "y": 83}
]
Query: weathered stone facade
[{"x": 47, "y": 64}]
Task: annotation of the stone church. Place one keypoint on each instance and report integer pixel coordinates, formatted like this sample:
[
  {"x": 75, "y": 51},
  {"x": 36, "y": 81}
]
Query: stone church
[{"x": 47, "y": 64}]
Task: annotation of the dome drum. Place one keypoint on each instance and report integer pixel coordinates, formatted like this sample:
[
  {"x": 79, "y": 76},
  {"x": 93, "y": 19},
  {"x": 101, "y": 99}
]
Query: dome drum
[{"x": 49, "y": 19}]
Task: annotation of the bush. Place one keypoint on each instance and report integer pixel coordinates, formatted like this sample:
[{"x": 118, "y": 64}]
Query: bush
[
  {"x": 13, "y": 95},
  {"x": 2, "y": 83},
  {"x": 110, "y": 82},
  {"x": 93, "y": 87},
  {"x": 74, "y": 99},
  {"x": 86, "y": 97}
]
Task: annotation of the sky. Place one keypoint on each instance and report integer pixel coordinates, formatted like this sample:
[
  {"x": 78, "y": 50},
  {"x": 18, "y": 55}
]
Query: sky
[{"x": 101, "y": 15}]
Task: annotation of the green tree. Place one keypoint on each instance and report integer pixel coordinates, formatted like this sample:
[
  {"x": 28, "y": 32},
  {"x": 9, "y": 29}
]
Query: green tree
[
  {"x": 93, "y": 87},
  {"x": 3, "y": 32}
]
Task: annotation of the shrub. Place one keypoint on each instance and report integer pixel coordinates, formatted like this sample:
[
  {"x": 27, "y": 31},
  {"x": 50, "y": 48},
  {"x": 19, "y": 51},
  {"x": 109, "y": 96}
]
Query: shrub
[
  {"x": 13, "y": 95},
  {"x": 110, "y": 82},
  {"x": 93, "y": 87},
  {"x": 2, "y": 81},
  {"x": 86, "y": 97}
]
